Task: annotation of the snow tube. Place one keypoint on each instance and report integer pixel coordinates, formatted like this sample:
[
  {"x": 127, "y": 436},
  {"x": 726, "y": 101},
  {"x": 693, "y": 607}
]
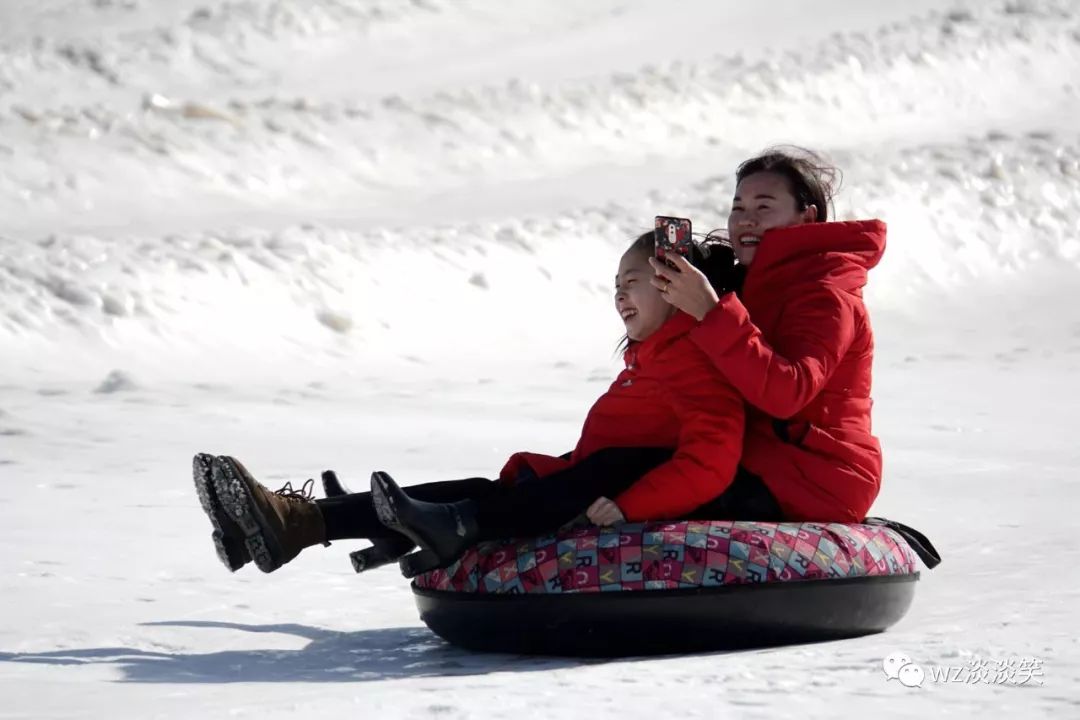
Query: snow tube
[{"x": 648, "y": 588}]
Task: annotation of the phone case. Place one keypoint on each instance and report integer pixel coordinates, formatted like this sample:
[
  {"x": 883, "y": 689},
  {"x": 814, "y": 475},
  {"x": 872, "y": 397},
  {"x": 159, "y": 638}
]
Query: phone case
[{"x": 672, "y": 235}]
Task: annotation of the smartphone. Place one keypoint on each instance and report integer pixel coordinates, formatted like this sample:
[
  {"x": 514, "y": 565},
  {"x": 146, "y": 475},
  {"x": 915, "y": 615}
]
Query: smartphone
[{"x": 672, "y": 236}]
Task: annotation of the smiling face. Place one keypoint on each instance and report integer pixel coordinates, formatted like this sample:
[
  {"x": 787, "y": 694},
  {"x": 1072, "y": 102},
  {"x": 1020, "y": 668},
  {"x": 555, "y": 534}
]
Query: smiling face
[
  {"x": 763, "y": 201},
  {"x": 642, "y": 307}
]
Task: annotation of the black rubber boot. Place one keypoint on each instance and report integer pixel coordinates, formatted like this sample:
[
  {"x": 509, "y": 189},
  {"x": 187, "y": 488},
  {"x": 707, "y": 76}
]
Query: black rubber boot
[
  {"x": 331, "y": 486},
  {"x": 383, "y": 551},
  {"x": 443, "y": 530}
]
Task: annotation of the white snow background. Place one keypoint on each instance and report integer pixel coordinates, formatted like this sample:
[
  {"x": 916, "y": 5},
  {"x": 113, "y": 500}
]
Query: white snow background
[{"x": 381, "y": 235}]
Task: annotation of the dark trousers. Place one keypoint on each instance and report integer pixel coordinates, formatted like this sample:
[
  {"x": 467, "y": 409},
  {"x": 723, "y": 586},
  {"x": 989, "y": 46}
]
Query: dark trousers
[{"x": 541, "y": 505}]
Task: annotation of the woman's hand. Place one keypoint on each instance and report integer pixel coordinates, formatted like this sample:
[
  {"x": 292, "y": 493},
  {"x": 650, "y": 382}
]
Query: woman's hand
[
  {"x": 604, "y": 512},
  {"x": 687, "y": 288}
]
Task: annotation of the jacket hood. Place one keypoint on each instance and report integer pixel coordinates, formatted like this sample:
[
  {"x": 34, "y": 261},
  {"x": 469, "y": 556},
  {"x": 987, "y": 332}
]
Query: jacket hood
[{"x": 836, "y": 253}]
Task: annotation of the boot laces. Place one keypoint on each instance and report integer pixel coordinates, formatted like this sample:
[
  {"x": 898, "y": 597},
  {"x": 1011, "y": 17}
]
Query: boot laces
[{"x": 306, "y": 492}]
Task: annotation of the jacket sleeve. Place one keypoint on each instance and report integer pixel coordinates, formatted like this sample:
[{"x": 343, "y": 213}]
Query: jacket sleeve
[
  {"x": 712, "y": 419},
  {"x": 527, "y": 464},
  {"x": 780, "y": 379}
]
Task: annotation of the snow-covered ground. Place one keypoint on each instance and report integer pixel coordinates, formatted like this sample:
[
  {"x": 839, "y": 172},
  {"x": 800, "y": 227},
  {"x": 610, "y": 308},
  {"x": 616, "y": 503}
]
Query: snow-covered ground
[{"x": 381, "y": 234}]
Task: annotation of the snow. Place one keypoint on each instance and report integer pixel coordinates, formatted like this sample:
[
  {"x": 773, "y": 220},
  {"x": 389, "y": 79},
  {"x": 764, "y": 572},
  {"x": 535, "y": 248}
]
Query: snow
[{"x": 381, "y": 235}]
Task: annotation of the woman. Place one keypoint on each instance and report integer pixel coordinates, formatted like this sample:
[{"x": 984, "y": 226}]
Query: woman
[
  {"x": 795, "y": 339},
  {"x": 663, "y": 441}
]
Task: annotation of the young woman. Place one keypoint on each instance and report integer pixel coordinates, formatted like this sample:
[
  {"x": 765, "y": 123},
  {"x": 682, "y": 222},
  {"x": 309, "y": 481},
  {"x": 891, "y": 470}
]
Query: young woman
[
  {"x": 661, "y": 443},
  {"x": 795, "y": 339}
]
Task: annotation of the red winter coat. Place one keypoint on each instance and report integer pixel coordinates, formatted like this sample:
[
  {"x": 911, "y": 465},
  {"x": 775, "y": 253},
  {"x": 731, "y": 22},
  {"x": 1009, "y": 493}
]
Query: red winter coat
[
  {"x": 669, "y": 395},
  {"x": 805, "y": 359}
]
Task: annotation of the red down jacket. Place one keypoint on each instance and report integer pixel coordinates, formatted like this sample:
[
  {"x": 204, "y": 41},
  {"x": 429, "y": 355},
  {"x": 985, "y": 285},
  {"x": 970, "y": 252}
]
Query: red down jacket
[
  {"x": 803, "y": 364},
  {"x": 668, "y": 395}
]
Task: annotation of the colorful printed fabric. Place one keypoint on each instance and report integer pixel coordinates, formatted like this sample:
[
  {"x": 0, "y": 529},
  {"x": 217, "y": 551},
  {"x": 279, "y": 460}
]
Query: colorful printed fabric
[{"x": 678, "y": 555}]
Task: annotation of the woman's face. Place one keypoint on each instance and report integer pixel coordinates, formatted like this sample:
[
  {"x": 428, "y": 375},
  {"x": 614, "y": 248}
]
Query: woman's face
[
  {"x": 642, "y": 307},
  {"x": 762, "y": 201}
]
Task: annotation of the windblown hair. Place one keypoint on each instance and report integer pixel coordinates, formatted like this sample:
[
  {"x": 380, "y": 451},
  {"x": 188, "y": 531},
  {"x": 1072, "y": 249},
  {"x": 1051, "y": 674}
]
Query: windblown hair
[{"x": 810, "y": 177}]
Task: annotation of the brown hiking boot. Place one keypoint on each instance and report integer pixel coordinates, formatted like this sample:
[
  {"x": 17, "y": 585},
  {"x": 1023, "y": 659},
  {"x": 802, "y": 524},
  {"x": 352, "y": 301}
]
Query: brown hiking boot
[{"x": 276, "y": 525}]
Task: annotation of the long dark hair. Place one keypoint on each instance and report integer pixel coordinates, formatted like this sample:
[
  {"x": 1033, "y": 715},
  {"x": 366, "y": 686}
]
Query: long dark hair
[
  {"x": 810, "y": 178},
  {"x": 714, "y": 258}
]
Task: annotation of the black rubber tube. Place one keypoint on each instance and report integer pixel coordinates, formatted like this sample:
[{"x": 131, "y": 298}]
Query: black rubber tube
[{"x": 649, "y": 622}]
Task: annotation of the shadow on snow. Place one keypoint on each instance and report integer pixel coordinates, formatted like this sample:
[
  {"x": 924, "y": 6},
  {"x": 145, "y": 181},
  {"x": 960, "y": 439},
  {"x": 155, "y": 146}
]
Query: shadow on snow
[{"x": 330, "y": 656}]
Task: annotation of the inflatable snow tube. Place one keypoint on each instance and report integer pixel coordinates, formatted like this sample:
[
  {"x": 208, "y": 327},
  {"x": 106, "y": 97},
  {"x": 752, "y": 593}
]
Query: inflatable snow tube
[{"x": 668, "y": 587}]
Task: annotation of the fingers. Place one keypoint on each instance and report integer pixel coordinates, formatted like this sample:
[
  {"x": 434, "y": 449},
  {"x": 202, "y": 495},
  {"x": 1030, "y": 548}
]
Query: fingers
[
  {"x": 662, "y": 269},
  {"x": 593, "y": 513},
  {"x": 680, "y": 262},
  {"x": 604, "y": 512},
  {"x": 664, "y": 276},
  {"x": 602, "y": 519}
]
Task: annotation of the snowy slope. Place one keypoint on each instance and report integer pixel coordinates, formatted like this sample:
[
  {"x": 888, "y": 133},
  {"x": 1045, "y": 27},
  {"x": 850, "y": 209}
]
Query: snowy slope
[{"x": 376, "y": 234}]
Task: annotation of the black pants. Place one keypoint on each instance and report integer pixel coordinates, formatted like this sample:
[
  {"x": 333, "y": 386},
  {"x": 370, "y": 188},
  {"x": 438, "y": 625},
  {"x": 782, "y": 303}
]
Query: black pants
[{"x": 534, "y": 507}]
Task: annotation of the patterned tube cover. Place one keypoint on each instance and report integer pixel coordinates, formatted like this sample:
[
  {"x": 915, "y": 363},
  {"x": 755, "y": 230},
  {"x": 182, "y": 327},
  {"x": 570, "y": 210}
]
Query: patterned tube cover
[{"x": 675, "y": 555}]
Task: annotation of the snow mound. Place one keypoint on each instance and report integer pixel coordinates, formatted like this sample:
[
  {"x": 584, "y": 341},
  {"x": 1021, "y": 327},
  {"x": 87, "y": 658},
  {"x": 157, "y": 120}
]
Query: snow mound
[
  {"x": 204, "y": 181},
  {"x": 117, "y": 381},
  {"x": 960, "y": 214},
  {"x": 97, "y": 108}
]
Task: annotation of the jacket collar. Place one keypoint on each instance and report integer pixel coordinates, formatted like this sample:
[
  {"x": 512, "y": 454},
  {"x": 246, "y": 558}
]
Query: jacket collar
[
  {"x": 640, "y": 353},
  {"x": 837, "y": 253}
]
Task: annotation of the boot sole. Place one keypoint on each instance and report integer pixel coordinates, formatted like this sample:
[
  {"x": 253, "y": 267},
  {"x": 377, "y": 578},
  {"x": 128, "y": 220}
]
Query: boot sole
[
  {"x": 236, "y": 497},
  {"x": 369, "y": 559},
  {"x": 230, "y": 550},
  {"x": 382, "y": 552},
  {"x": 385, "y": 509},
  {"x": 421, "y": 562}
]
